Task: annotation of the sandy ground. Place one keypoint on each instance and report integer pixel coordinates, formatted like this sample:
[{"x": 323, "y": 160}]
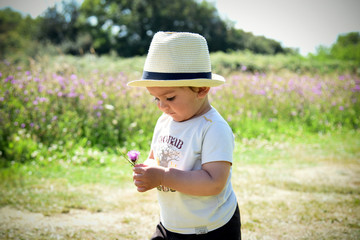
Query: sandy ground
[{"x": 255, "y": 196}]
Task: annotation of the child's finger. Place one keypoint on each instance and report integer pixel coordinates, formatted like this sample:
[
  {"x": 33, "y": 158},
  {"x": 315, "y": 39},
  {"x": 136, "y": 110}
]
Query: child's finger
[
  {"x": 140, "y": 165},
  {"x": 138, "y": 169}
]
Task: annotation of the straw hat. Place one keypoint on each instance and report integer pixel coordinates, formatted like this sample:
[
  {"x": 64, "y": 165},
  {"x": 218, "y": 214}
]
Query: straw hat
[{"x": 178, "y": 59}]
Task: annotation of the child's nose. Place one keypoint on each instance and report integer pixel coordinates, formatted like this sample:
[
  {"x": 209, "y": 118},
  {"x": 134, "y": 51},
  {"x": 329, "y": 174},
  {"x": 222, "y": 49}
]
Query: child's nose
[{"x": 162, "y": 104}]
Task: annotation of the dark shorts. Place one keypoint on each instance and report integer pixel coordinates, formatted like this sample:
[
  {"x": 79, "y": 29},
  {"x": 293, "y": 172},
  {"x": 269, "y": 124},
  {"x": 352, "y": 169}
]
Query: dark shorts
[{"x": 230, "y": 231}]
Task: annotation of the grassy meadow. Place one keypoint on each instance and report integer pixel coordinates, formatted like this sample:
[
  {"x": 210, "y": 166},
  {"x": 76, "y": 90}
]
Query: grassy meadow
[{"x": 296, "y": 164}]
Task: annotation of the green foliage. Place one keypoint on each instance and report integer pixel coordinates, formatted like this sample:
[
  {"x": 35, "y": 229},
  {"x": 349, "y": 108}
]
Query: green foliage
[
  {"x": 226, "y": 63},
  {"x": 16, "y": 33},
  {"x": 128, "y": 26},
  {"x": 57, "y": 107},
  {"x": 346, "y": 48},
  {"x": 240, "y": 40},
  {"x": 124, "y": 28}
]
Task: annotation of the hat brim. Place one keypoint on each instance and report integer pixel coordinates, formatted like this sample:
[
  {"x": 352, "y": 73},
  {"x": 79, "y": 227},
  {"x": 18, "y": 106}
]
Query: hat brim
[{"x": 215, "y": 80}]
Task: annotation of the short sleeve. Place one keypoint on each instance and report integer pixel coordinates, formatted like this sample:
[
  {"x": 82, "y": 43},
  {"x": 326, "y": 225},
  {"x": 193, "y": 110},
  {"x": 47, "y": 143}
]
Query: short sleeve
[{"x": 218, "y": 143}]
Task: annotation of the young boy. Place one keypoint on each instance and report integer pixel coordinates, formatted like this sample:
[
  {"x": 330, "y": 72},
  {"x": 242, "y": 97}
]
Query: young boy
[{"x": 191, "y": 152}]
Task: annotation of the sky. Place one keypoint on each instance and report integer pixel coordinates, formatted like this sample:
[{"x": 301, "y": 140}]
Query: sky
[{"x": 301, "y": 24}]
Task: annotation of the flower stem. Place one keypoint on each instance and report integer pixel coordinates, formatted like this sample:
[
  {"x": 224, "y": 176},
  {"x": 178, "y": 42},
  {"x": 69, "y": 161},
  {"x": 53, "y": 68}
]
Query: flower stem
[{"x": 124, "y": 156}]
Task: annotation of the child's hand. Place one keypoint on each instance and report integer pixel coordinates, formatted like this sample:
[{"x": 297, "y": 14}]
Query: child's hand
[{"x": 147, "y": 177}]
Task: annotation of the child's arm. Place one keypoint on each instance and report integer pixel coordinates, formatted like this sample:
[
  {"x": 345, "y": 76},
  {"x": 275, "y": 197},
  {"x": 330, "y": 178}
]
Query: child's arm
[{"x": 209, "y": 180}]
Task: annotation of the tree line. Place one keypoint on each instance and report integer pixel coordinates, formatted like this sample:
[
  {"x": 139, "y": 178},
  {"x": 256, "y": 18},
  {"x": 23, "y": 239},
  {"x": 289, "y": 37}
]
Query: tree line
[{"x": 125, "y": 28}]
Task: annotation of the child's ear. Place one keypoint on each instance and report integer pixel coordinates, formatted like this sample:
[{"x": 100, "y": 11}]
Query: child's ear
[{"x": 203, "y": 91}]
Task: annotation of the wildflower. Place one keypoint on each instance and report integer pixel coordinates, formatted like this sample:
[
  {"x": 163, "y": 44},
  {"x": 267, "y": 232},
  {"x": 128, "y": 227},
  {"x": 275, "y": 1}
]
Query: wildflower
[
  {"x": 40, "y": 88},
  {"x": 109, "y": 107},
  {"x": 73, "y": 77},
  {"x": 9, "y": 78},
  {"x": 72, "y": 94},
  {"x": 132, "y": 156},
  {"x": 356, "y": 88}
]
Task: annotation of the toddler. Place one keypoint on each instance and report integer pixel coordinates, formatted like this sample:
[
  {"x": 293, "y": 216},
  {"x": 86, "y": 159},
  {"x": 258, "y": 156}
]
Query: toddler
[{"x": 192, "y": 147}]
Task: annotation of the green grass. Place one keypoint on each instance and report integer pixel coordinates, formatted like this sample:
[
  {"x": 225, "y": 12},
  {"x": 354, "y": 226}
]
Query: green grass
[{"x": 288, "y": 188}]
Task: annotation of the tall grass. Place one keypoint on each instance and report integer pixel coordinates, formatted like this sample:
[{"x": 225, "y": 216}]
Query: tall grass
[{"x": 62, "y": 108}]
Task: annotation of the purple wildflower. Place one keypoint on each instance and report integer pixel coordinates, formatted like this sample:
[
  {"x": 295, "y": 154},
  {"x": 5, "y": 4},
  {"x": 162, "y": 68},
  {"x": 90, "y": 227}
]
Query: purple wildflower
[
  {"x": 9, "y": 78},
  {"x": 104, "y": 95},
  {"x": 317, "y": 89},
  {"x": 73, "y": 77},
  {"x": 72, "y": 94},
  {"x": 133, "y": 155},
  {"x": 356, "y": 88}
]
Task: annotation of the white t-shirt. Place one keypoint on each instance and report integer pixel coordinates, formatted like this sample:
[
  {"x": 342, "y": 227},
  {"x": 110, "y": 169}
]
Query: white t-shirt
[{"x": 186, "y": 146}]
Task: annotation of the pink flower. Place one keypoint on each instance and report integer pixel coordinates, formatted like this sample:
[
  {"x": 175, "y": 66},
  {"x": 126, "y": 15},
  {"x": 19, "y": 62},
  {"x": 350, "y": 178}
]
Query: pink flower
[{"x": 133, "y": 155}]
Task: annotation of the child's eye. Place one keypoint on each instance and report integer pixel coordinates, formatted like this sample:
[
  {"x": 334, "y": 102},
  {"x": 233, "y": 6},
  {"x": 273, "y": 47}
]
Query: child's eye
[
  {"x": 171, "y": 99},
  {"x": 156, "y": 99}
]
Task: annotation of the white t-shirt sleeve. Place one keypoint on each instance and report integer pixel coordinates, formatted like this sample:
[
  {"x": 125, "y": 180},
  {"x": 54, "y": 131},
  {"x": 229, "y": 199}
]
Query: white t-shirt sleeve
[{"x": 218, "y": 143}]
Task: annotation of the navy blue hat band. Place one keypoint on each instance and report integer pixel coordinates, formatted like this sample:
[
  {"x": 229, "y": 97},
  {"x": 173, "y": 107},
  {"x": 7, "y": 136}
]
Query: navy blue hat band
[{"x": 175, "y": 76}]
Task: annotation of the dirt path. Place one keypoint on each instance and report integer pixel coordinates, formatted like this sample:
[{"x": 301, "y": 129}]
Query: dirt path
[
  {"x": 277, "y": 203},
  {"x": 75, "y": 219},
  {"x": 84, "y": 224}
]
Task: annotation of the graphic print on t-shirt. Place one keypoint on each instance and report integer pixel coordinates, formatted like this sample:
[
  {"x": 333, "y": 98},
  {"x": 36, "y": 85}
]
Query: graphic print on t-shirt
[
  {"x": 168, "y": 151},
  {"x": 168, "y": 154}
]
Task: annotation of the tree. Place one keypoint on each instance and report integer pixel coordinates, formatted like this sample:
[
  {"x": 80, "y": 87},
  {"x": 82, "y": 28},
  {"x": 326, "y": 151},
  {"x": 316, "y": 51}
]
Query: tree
[
  {"x": 347, "y": 47},
  {"x": 16, "y": 32},
  {"x": 127, "y": 26},
  {"x": 59, "y": 25}
]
